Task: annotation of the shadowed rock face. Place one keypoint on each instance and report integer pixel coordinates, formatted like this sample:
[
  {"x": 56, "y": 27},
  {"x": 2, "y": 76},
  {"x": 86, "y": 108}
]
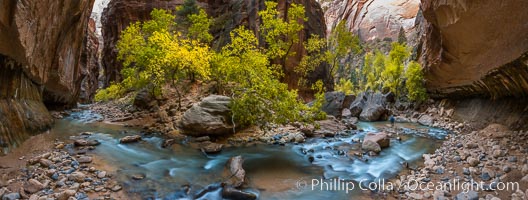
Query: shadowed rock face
[
  {"x": 40, "y": 61},
  {"x": 229, "y": 13},
  {"x": 372, "y": 19},
  {"x": 90, "y": 62},
  {"x": 475, "y": 48},
  {"x": 46, "y": 38}
]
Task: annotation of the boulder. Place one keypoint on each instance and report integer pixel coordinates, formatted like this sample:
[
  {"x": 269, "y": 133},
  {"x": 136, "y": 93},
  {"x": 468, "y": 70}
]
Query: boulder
[
  {"x": 130, "y": 139},
  {"x": 369, "y": 106},
  {"x": 345, "y": 113},
  {"x": 144, "y": 99},
  {"x": 211, "y": 147},
  {"x": 426, "y": 120},
  {"x": 209, "y": 117},
  {"x": 333, "y": 103},
  {"x": 381, "y": 138},
  {"x": 370, "y": 145},
  {"x": 372, "y": 112},
  {"x": 234, "y": 174},
  {"x": 83, "y": 142}
]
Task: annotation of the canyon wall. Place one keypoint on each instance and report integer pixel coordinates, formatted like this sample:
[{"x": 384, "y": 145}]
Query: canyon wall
[
  {"x": 475, "y": 48},
  {"x": 40, "y": 61},
  {"x": 228, "y": 15},
  {"x": 90, "y": 63},
  {"x": 372, "y": 19}
]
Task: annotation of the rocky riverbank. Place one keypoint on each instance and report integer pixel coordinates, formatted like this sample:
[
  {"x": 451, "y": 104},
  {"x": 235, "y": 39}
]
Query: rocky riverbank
[
  {"x": 58, "y": 170},
  {"x": 487, "y": 164}
]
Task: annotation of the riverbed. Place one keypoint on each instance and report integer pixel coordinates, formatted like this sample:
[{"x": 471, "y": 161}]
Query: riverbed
[{"x": 291, "y": 171}]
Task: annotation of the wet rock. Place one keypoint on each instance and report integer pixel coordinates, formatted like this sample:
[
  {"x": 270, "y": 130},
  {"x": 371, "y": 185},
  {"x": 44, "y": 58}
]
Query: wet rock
[
  {"x": 33, "y": 186},
  {"x": 381, "y": 138},
  {"x": 209, "y": 117},
  {"x": 84, "y": 159},
  {"x": 138, "y": 176},
  {"x": 168, "y": 143},
  {"x": 130, "y": 139},
  {"x": 211, "y": 147},
  {"x": 329, "y": 126},
  {"x": 202, "y": 139},
  {"x": 234, "y": 175},
  {"x": 83, "y": 142},
  {"x": 370, "y": 145},
  {"x": 470, "y": 195},
  {"x": 234, "y": 194}
]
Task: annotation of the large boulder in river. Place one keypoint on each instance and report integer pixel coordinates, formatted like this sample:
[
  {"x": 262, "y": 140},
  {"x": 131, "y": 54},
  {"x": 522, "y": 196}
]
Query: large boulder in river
[
  {"x": 380, "y": 138},
  {"x": 372, "y": 112},
  {"x": 370, "y": 106},
  {"x": 234, "y": 174},
  {"x": 209, "y": 117}
]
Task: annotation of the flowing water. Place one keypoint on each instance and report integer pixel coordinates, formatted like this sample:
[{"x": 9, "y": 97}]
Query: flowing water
[{"x": 275, "y": 172}]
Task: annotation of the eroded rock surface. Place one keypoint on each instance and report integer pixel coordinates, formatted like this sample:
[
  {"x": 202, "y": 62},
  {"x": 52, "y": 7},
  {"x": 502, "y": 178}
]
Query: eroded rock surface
[{"x": 468, "y": 52}]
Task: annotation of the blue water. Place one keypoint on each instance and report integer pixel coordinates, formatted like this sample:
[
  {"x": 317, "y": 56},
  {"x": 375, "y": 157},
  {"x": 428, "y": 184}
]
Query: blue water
[{"x": 274, "y": 171}]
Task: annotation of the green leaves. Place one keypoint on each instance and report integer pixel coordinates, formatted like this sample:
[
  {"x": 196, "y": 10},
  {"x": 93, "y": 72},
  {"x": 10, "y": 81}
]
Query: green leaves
[
  {"x": 153, "y": 53},
  {"x": 279, "y": 32},
  {"x": 414, "y": 83}
]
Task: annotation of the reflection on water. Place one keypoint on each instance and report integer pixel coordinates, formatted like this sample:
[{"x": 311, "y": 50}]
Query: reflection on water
[{"x": 274, "y": 172}]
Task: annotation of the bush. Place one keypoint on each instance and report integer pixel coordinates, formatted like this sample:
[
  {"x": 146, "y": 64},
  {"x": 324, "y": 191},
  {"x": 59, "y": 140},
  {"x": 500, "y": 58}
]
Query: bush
[{"x": 414, "y": 83}]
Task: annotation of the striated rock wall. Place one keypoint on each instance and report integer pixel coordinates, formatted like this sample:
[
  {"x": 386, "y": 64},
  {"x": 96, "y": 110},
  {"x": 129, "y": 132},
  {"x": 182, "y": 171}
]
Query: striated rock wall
[
  {"x": 228, "y": 13},
  {"x": 372, "y": 19},
  {"x": 40, "y": 61},
  {"x": 90, "y": 63},
  {"x": 475, "y": 48},
  {"x": 21, "y": 109}
]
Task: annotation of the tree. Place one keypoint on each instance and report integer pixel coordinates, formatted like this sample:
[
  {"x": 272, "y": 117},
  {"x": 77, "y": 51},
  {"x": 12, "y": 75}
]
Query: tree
[
  {"x": 258, "y": 95},
  {"x": 281, "y": 33},
  {"x": 414, "y": 82},
  {"x": 153, "y": 53},
  {"x": 392, "y": 75},
  {"x": 200, "y": 24},
  {"x": 189, "y": 7},
  {"x": 341, "y": 43},
  {"x": 316, "y": 55}
]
